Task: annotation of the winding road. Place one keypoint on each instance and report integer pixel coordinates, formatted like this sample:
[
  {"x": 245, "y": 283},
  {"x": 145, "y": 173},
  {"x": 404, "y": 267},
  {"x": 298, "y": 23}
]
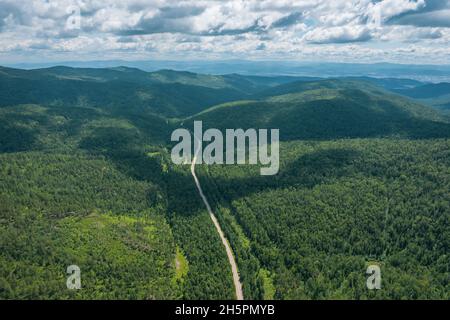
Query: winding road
[{"x": 234, "y": 269}]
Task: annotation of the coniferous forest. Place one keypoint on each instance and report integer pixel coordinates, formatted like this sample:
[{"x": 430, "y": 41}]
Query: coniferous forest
[{"x": 86, "y": 179}]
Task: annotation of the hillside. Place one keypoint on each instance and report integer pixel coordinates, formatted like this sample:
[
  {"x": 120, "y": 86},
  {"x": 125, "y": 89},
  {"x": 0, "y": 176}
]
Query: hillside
[
  {"x": 86, "y": 178},
  {"x": 436, "y": 95},
  {"x": 427, "y": 91},
  {"x": 59, "y": 210},
  {"x": 82, "y": 168},
  {"x": 329, "y": 109},
  {"x": 335, "y": 208},
  {"x": 164, "y": 93}
]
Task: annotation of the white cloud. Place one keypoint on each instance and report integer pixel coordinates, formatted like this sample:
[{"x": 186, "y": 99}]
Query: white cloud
[
  {"x": 345, "y": 34},
  {"x": 228, "y": 28}
]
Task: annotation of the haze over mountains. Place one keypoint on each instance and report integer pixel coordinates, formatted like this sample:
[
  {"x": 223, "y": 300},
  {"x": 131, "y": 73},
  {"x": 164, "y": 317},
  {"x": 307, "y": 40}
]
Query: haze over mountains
[{"x": 427, "y": 73}]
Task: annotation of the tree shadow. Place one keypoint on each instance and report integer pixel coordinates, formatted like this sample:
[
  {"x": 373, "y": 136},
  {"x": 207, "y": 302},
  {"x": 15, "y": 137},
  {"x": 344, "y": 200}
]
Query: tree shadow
[
  {"x": 124, "y": 148},
  {"x": 308, "y": 171},
  {"x": 76, "y": 117},
  {"x": 17, "y": 138}
]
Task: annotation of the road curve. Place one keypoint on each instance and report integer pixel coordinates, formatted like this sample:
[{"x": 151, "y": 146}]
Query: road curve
[{"x": 234, "y": 269}]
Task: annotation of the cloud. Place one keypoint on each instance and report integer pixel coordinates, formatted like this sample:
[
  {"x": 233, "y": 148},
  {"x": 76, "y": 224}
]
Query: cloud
[
  {"x": 429, "y": 34},
  {"x": 289, "y": 20},
  {"x": 392, "y": 8},
  {"x": 261, "y": 46},
  {"x": 166, "y": 19},
  {"x": 9, "y": 14},
  {"x": 426, "y": 19},
  {"x": 40, "y": 46},
  {"x": 431, "y": 13},
  {"x": 226, "y": 28},
  {"x": 338, "y": 35}
]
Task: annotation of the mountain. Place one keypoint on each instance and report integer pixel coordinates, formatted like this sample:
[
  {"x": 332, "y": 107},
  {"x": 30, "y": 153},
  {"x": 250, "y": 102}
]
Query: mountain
[
  {"x": 87, "y": 179},
  {"x": 390, "y": 84},
  {"x": 329, "y": 109},
  {"x": 166, "y": 93},
  {"x": 434, "y": 94},
  {"x": 123, "y": 89},
  {"x": 426, "y": 73},
  {"x": 427, "y": 91}
]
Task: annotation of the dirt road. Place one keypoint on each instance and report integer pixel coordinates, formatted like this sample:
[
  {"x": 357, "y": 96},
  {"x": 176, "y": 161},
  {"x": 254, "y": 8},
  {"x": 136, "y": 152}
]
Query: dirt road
[{"x": 234, "y": 269}]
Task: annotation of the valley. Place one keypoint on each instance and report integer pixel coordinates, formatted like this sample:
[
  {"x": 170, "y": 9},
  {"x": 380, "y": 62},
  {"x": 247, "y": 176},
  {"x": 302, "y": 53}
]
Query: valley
[
  {"x": 86, "y": 179},
  {"x": 230, "y": 255}
]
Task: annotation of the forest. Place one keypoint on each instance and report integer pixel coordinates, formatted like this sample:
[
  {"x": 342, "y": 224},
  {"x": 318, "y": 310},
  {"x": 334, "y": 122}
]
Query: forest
[
  {"x": 86, "y": 179},
  {"x": 337, "y": 207},
  {"x": 78, "y": 172}
]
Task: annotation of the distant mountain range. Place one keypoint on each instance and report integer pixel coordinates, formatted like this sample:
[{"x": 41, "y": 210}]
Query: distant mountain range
[
  {"x": 426, "y": 73},
  {"x": 437, "y": 95},
  {"x": 165, "y": 92},
  {"x": 329, "y": 109},
  {"x": 304, "y": 107}
]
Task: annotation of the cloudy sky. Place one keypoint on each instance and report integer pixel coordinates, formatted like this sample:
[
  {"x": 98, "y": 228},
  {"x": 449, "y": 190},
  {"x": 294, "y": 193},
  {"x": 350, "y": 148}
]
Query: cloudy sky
[{"x": 416, "y": 31}]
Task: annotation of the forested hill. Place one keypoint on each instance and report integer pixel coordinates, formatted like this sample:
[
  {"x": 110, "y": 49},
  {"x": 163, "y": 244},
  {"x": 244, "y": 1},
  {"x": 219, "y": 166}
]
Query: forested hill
[
  {"x": 434, "y": 94},
  {"x": 173, "y": 94},
  {"x": 303, "y": 108},
  {"x": 330, "y": 109},
  {"x": 427, "y": 91},
  {"x": 86, "y": 179},
  {"x": 166, "y": 93}
]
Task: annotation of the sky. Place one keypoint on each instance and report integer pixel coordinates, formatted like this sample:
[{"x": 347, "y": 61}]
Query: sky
[{"x": 400, "y": 31}]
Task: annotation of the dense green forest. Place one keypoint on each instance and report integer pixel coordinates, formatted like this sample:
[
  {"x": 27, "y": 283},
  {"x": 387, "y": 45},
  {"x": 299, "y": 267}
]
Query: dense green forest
[
  {"x": 59, "y": 210},
  {"x": 329, "y": 109},
  {"x": 81, "y": 170},
  {"x": 86, "y": 179},
  {"x": 337, "y": 207}
]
